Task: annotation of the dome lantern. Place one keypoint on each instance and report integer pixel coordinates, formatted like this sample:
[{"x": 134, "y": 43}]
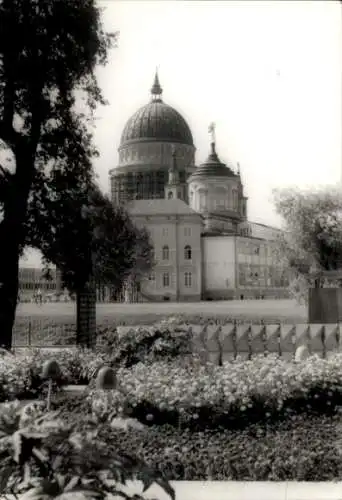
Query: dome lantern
[
  {"x": 156, "y": 90},
  {"x": 213, "y": 167}
]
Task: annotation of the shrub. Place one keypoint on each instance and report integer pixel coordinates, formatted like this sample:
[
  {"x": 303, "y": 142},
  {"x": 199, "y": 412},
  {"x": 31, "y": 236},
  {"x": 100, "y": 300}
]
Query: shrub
[{"x": 146, "y": 345}]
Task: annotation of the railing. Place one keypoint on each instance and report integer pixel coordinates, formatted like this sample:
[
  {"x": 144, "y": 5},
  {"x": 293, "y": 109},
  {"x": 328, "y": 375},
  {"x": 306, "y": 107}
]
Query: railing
[{"x": 43, "y": 332}]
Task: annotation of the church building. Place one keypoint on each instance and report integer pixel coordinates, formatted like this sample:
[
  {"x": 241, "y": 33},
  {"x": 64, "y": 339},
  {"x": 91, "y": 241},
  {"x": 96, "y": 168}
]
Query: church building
[{"x": 205, "y": 248}]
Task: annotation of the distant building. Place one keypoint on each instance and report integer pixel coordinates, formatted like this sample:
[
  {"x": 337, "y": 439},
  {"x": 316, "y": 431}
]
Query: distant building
[
  {"x": 205, "y": 247},
  {"x": 176, "y": 231},
  {"x": 32, "y": 280}
]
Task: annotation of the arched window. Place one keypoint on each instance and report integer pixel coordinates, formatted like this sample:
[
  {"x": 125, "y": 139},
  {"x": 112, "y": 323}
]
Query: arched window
[
  {"x": 187, "y": 252},
  {"x": 202, "y": 201},
  {"x": 166, "y": 280},
  {"x": 166, "y": 252},
  {"x": 188, "y": 279},
  {"x": 140, "y": 186},
  {"x": 235, "y": 199}
]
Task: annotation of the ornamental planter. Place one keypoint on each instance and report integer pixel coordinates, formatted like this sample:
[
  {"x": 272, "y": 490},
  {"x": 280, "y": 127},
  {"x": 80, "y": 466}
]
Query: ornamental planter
[{"x": 325, "y": 305}]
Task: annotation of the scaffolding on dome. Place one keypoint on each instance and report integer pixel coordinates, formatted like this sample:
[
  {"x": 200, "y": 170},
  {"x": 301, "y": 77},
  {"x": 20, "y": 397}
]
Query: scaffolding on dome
[{"x": 140, "y": 186}]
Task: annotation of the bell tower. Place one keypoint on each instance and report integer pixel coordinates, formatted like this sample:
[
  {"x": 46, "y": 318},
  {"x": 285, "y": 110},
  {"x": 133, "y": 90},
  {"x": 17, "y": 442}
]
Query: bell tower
[{"x": 174, "y": 188}]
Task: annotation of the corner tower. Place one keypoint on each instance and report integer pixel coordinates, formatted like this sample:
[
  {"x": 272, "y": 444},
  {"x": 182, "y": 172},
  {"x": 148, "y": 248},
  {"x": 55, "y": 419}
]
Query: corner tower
[
  {"x": 175, "y": 189},
  {"x": 216, "y": 192}
]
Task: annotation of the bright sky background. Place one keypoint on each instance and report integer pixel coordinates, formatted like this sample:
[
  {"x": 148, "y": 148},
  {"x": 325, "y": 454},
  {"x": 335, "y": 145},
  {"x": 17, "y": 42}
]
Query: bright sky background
[{"x": 267, "y": 73}]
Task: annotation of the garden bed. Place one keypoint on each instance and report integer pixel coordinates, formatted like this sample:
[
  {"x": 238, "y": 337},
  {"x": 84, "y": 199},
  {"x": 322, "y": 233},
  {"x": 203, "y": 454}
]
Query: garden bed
[
  {"x": 302, "y": 448},
  {"x": 266, "y": 419}
]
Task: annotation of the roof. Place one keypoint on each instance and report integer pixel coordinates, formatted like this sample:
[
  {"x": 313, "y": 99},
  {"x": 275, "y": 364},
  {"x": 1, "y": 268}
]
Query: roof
[
  {"x": 156, "y": 121},
  {"x": 213, "y": 167},
  {"x": 265, "y": 225},
  {"x": 232, "y": 235},
  {"x": 160, "y": 207}
]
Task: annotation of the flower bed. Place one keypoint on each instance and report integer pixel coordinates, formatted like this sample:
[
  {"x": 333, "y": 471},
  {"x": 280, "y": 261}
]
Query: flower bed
[
  {"x": 78, "y": 366},
  {"x": 159, "y": 376},
  {"x": 20, "y": 374},
  {"x": 303, "y": 448},
  {"x": 264, "y": 419},
  {"x": 234, "y": 395}
]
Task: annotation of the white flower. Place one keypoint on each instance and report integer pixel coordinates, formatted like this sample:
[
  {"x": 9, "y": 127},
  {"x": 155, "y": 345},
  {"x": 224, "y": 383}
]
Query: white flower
[{"x": 126, "y": 424}]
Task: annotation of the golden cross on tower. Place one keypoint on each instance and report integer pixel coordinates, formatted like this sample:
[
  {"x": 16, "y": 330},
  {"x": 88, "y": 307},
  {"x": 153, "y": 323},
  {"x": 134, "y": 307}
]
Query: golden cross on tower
[{"x": 211, "y": 131}]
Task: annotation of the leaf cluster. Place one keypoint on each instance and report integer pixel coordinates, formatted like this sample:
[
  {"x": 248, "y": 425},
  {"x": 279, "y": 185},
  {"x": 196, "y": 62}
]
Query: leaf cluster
[
  {"x": 47, "y": 459},
  {"x": 313, "y": 223}
]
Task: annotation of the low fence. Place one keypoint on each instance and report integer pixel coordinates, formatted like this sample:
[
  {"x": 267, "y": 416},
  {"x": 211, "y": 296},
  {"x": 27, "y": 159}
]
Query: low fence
[
  {"x": 213, "y": 340},
  {"x": 233, "y": 340},
  {"x": 43, "y": 332}
]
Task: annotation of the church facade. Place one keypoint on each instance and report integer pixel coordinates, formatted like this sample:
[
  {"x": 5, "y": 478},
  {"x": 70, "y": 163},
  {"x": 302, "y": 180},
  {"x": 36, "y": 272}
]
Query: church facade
[{"x": 205, "y": 248}]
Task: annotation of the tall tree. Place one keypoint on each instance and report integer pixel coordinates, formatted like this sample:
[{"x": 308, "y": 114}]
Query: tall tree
[
  {"x": 83, "y": 234},
  {"x": 313, "y": 236},
  {"x": 49, "y": 50}
]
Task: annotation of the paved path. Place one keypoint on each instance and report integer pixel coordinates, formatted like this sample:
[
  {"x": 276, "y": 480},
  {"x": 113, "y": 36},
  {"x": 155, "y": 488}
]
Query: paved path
[{"x": 244, "y": 490}]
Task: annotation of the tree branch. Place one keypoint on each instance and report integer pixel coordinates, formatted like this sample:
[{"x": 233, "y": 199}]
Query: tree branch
[{"x": 9, "y": 135}]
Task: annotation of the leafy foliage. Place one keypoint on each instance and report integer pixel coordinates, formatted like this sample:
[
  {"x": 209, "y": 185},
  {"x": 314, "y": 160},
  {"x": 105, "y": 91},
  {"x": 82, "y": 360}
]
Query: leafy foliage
[
  {"x": 260, "y": 452},
  {"x": 313, "y": 237},
  {"x": 43, "y": 457},
  {"x": 83, "y": 234},
  {"x": 146, "y": 345},
  {"x": 49, "y": 50}
]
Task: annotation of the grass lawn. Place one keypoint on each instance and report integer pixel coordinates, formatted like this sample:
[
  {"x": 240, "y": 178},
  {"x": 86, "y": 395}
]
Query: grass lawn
[{"x": 269, "y": 310}]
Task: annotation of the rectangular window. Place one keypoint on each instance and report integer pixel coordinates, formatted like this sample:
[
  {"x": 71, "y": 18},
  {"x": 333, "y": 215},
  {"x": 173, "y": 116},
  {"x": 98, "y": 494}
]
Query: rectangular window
[
  {"x": 152, "y": 277},
  {"x": 166, "y": 280},
  {"x": 187, "y": 231},
  {"x": 187, "y": 279},
  {"x": 165, "y": 231}
]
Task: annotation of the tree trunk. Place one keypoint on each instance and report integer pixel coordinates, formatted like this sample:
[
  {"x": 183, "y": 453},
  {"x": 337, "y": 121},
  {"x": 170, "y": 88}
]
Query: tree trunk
[
  {"x": 11, "y": 234},
  {"x": 86, "y": 316},
  {"x": 9, "y": 284},
  {"x": 12, "y": 238}
]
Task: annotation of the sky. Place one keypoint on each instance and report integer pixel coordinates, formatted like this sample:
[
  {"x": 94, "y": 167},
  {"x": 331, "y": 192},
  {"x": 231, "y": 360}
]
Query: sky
[{"x": 269, "y": 74}]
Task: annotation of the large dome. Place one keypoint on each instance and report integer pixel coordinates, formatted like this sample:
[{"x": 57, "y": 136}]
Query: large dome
[{"x": 156, "y": 121}]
